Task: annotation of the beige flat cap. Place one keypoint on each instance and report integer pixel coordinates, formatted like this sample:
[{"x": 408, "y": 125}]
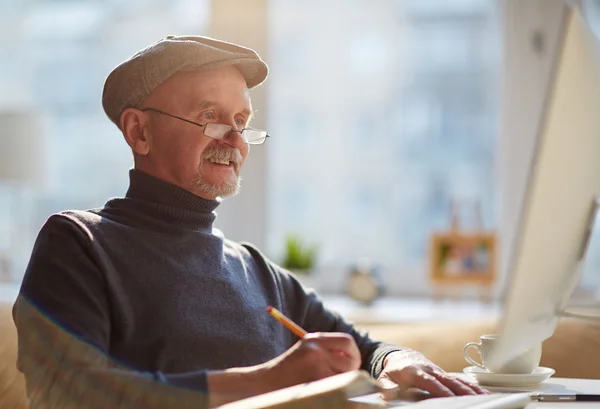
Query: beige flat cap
[{"x": 133, "y": 80}]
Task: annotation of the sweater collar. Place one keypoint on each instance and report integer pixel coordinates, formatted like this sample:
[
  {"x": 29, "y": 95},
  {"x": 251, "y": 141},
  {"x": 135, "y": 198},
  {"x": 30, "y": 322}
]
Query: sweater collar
[{"x": 166, "y": 201}]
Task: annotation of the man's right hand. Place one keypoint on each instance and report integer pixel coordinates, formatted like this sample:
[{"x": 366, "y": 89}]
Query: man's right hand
[{"x": 316, "y": 356}]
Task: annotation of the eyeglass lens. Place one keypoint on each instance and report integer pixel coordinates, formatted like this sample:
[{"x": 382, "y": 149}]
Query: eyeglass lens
[{"x": 220, "y": 131}]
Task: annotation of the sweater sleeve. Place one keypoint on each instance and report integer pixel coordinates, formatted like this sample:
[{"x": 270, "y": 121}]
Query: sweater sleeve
[
  {"x": 63, "y": 321},
  {"x": 305, "y": 307}
]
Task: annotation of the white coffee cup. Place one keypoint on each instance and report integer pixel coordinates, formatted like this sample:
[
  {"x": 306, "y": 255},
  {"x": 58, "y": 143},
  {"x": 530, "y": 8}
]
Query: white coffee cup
[{"x": 525, "y": 363}]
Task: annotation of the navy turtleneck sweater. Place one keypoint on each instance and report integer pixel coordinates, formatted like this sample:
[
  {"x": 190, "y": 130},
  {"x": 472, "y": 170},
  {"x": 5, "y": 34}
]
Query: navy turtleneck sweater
[{"x": 147, "y": 289}]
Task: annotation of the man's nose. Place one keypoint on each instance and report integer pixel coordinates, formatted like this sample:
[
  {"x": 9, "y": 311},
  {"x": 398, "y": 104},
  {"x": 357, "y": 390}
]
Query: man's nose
[{"x": 234, "y": 139}]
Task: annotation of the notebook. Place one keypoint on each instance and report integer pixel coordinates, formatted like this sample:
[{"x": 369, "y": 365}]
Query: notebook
[
  {"x": 332, "y": 392},
  {"x": 351, "y": 389}
]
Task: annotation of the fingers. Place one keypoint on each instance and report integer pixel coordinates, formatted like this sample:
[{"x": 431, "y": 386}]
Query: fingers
[
  {"x": 478, "y": 389},
  {"x": 342, "y": 363},
  {"x": 335, "y": 341},
  {"x": 315, "y": 356},
  {"x": 431, "y": 379},
  {"x": 388, "y": 389},
  {"x": 457, "y": 387},
  {"x": 339, "y": 344},
  {"x": 327, "y": 361},
  {"x": 418, "y": 378},
  {"x": 325, "y": 354}
]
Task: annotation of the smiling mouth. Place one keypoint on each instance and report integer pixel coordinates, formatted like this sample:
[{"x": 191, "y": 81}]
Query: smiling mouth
[{"x": 221, "y": 162}]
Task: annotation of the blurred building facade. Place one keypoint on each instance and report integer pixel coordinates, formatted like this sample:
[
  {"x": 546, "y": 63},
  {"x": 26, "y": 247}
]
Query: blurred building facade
[
  {"x": 54, "y": 58},
  {"x": 382, "y": 112}
]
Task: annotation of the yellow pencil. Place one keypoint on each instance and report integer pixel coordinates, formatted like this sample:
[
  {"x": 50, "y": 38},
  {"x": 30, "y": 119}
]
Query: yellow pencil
[{"x": 288, "y": 323}]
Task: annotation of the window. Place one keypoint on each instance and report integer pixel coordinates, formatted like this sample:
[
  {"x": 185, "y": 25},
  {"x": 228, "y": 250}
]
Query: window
[
  {"x": 57, "y": 60},
  {"x": 407, "y": 121},
  {"x": 380, "y": 111}
]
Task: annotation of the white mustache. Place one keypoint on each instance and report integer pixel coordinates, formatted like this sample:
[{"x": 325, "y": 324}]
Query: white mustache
[{"x": 223, "y": 154}]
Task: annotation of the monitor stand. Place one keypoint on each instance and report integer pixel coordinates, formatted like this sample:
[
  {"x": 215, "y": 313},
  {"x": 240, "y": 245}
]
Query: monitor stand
[{"x": 570, "y": 281}]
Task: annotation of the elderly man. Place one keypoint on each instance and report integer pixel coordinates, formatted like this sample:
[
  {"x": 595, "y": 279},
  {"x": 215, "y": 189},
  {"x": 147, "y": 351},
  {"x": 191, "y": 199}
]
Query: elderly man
[{"x": 144, "y": 303}]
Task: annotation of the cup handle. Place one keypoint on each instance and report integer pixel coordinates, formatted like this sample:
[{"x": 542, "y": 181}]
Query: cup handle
[{"x": 468, "y": 358}]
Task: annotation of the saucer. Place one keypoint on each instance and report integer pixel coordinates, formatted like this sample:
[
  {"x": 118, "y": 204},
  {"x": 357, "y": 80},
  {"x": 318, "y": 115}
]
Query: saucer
[{"x": 539, "y": 375}]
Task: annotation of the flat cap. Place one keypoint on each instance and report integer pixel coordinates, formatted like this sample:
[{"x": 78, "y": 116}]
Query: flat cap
[{"x": 134, "y": 79}]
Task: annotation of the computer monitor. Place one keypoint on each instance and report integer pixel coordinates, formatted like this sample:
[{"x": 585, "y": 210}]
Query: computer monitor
[{"x": 560, "y": 205}]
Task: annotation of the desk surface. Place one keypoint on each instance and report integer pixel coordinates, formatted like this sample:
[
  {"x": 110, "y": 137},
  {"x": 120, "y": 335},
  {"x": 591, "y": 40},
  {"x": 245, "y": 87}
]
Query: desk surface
[
  {"x": 557, "y": 386},
  {"x": 551, "y": 386}
]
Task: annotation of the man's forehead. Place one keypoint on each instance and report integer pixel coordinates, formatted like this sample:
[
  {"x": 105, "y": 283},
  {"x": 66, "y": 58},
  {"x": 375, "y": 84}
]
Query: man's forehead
[
  {"x": 208, "y": 104},
  {"x": 224, "y": 87}
]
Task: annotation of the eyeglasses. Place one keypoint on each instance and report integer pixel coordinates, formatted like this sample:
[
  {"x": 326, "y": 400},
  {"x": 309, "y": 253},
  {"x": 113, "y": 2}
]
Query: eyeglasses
[{"x": 220, "y": 131}]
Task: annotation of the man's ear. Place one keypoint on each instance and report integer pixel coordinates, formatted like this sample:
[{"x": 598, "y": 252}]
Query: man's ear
[{"x": 134, "y": 125}]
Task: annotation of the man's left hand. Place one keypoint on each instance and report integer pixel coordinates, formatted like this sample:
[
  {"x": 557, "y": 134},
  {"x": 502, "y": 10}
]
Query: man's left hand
[{"x": 410, "y": 369}]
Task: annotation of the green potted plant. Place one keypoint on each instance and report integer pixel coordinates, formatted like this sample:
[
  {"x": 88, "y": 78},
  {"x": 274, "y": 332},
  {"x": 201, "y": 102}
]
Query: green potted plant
[{"x": 299, "y": 257}]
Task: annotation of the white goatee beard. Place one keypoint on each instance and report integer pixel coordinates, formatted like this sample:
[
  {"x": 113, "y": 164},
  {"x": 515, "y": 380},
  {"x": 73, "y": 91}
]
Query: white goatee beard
[{"x": 219, "y": 189}]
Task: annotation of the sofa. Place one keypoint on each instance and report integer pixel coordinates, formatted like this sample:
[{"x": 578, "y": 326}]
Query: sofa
[
  {"x": 573, "y": 351},
  {"x": 12, "y": 382}
]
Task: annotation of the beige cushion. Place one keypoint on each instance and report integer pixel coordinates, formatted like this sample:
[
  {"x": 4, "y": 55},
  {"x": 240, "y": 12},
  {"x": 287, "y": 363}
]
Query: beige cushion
[
  {"x": 573, "y": 351},
  {"x": 12, "y": 382}
]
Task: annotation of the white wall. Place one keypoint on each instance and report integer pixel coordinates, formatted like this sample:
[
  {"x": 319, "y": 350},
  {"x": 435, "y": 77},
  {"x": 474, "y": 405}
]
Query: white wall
[{"x": 244, "y": 217}]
